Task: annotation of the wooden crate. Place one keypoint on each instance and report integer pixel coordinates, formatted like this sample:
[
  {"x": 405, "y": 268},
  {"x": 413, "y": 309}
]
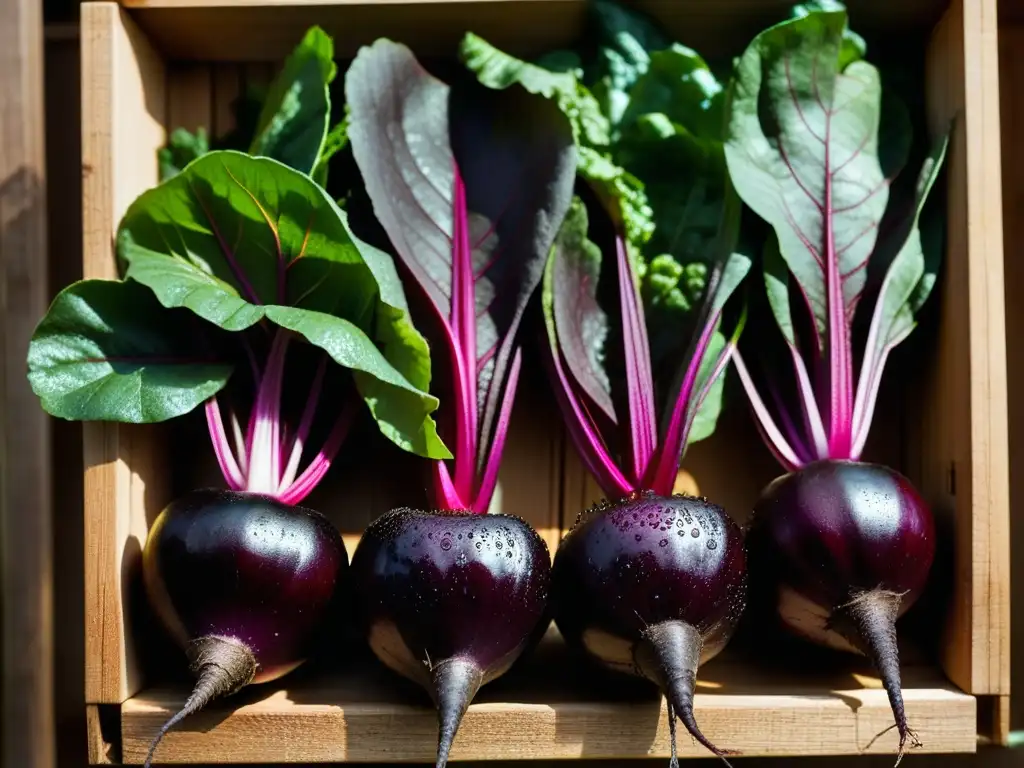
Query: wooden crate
[{"x": 149, "y": 66}]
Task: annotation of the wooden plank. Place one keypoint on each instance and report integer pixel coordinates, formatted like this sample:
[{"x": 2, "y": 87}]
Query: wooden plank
[
  {"x": 1011, "y": 86},
  {"x": 227, "y": 87},
  {"x": 963, "y": 422},
  {"x": 266, "y": 30},
  {"x": 26, "y": 599},
  {"x": 552, "y": 709},
  {"x": 190, "y": 98},
  {"x": 100, "y": 750},
  {"x": 123, "y": 105}
]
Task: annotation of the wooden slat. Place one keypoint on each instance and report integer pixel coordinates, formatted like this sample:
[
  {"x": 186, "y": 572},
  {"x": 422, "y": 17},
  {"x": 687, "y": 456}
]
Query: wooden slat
[
  {"x": 265, "y": 30},
  {"x": 123, "y": 105},
  {"x": 1011, "y": 86},
  {"x": 963, "y": 424},
  {"x": 190, "y": 98},
  {"x": 227, "y": 87},
  {"x": 26, "y": 704},
  {"x": 552, "y": 709}
]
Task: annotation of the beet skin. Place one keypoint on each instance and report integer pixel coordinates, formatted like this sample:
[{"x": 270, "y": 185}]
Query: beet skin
[
  {"x": 843, "y": 549},
  {"x": 654, "y": 587},
  {"x": 241, "y": 582},
  {"x": 450, "y": 600}
]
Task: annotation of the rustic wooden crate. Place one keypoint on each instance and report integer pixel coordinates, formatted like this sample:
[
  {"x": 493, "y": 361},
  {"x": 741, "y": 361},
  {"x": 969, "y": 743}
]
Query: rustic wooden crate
[{"x": 149, "y": 66}]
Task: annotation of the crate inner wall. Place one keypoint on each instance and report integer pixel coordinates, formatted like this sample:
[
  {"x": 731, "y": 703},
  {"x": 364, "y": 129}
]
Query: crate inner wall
[{"x": 151, "y": 93}]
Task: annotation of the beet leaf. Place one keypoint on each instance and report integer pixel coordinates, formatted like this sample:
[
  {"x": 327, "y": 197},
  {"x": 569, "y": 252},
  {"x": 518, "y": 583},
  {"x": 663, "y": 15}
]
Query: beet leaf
[
  {"x": 471, "y": 187},
  {"x": 813, "y": 148},
  {"x": 107, "y": 350},
  {"x": 241, "y": 240},
  {"x": 295, "y": 118},
  {"x": 576, "y": 329}
]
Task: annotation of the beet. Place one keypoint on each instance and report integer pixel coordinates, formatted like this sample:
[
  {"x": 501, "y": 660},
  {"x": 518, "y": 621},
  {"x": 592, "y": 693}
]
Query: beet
[
  {"x": 241, "y": 581},
  {"x": 450, "y": 600},
  {"x": 845, "y": 548},
  {"x": 653, "y": 587}
]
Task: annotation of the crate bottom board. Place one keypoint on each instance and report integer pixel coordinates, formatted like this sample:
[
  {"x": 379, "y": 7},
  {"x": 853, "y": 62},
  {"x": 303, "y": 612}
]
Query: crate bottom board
[{"x": 553, "y": 708}]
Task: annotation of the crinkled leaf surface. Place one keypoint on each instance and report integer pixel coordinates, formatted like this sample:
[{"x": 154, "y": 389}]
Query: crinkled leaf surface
[
  {"x": 294, "y": 120},
  {"x": 234, "y": 237},
  {"x": 231, "y": 232},
  {"x": 108, "y": 351}
]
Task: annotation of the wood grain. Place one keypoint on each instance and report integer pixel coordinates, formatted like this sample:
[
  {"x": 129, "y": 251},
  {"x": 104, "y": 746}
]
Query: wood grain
[
  {"x": 1011, "y": 86},
  {"x": 550, "y": 710},
  {"x": 963, "y": 424},
  {"x": 26, "y": 599},
  {"x": 123, "y": 103}
]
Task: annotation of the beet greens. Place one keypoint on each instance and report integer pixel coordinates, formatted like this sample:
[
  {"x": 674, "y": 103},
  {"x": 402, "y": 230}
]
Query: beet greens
[
  {"x": 470, "y": 187},
  {"x": 238, "y": 270},
  {"x": 648, "y": 583},
  {"x": 815, "y": 146}
]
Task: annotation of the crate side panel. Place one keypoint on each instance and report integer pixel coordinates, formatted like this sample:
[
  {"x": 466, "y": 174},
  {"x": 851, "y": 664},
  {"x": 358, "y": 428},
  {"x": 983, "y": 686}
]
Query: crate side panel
[
  {"x": 123, "y": 104},
  {"x": 962, "y": 431},
  {"x": 1011, "y": 85}
]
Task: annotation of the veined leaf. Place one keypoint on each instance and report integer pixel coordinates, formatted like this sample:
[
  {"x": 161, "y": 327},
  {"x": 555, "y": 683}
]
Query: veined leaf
[
  {"x": 107, "y": 351},
  {"x": 294, "y": 120}
]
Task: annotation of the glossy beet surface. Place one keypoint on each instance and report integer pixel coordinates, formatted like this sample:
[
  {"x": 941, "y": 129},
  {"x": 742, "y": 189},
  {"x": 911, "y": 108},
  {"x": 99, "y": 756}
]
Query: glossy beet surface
[
  {"x": 244, "y": 567},
  {"x": 836, "y": 528},
  {"x": 841, "y": 549},
  {"x": 451, "y": 600},
  {"x": 447, "y": 584},
  {"x": 623, "y": 568},
  {"x": 653, "y": 587}
]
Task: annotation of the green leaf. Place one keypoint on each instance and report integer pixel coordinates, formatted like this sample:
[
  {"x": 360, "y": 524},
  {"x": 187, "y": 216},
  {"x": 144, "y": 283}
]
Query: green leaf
[
  {"x": 706, "y": 418},
  {"x": 107, "y": 351},
  {"x": 679, "y": 85},
  {"x": 232, "y": 232},
  {"x": 804, "y": 154},
  {"x": 293, "y": 123},
  {"x": 625, "y": 39},
  {"x": 237, "y": 239},
  {"x": 498, "y": 70},
  {"x": 182, "y": 148},
  {"x": 337, "y": 140},
  {"x": 401, "y": 410},
  {"x": 853, "y": 47}
]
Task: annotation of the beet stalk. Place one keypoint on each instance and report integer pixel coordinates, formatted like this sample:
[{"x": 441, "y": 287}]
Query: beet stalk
[
  {"x": 469, "y": 187},
  {"x": 844, "y": 547},
  {"x": 242, "y": 578},
  {"x": 647, "y": 583}
]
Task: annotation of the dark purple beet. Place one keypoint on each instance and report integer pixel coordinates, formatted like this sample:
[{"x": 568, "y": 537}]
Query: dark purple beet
[
  {"x": 450, "y": 600},
  {"x": 654, "y": 587},
  {"x": 241, "y": 582},
  {"x": 845, "y": 549}
]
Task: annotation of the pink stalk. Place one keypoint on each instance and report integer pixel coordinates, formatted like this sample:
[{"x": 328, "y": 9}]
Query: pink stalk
[
  {"x": 305, "y": 423},
  {"x": 265, "y": 454},
  {"x": 772, "y": 436},
  {"x": 444, "y": 490},
  {"x": 490, "y": 478},
  {"x": 222, "y": 446},
  {"x": 463, "y": 325},
  {"x": 318, "y": 467}
]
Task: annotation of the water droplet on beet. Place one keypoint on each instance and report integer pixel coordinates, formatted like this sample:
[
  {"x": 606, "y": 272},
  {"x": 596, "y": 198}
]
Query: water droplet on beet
[
  {"x": 663, "y": 543},
  {"x": 638, "y": 537},
  {"x": 695, "y": 533},
  {"x": 461, "y": 559},
  {"x": 497, "y": 543},
  {"x": 508, "y": 554},
  {"x": 479, "y": 545},
  {"x": 712, "y": 545},
  {"x": 446, "y": 544}
]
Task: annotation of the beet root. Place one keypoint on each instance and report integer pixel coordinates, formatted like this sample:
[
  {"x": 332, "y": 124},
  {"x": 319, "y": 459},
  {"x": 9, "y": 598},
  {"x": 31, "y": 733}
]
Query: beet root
[
  {"x": 844, "y": 549},
  {"x": 450, "y": 600},
  {"x": 653, "y": 587},
  {"x": 241, "y": 582}
]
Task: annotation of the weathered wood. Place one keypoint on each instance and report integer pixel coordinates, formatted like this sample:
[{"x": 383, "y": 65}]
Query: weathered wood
[
  {"x": 550, "y": 711},
  {"x": 961, "y": 426},
  {"x": 123, "y": 103},
  {"x": 26, "y": 600}
]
